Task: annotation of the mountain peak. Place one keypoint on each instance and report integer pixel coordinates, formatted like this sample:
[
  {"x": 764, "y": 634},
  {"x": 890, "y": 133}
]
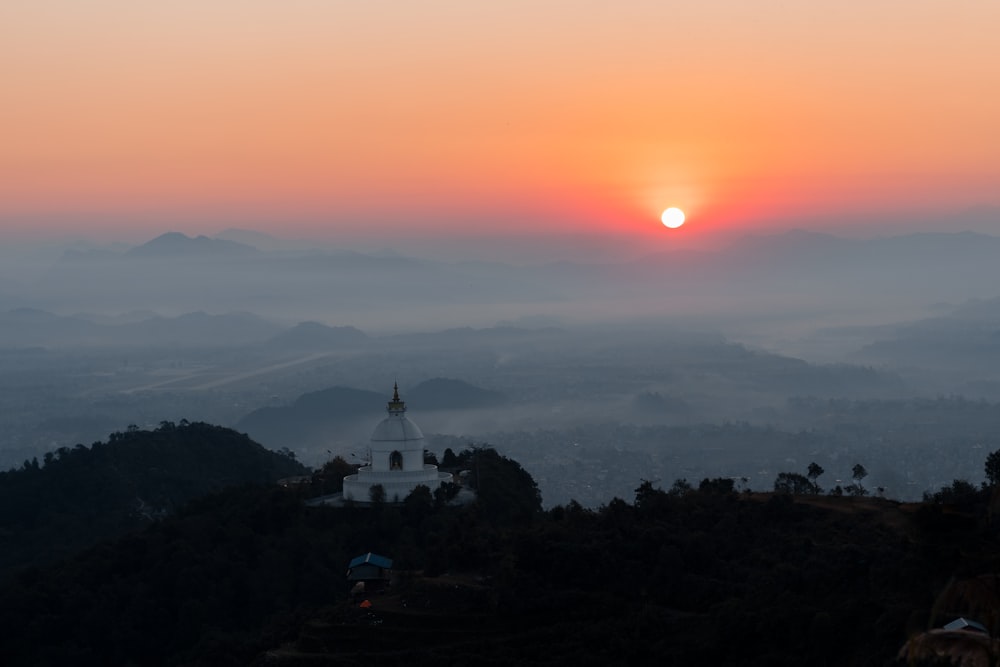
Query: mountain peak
[{"x": 176, "y": 244}]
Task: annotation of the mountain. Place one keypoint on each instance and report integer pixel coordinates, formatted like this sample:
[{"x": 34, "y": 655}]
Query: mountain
[
  {"x": 963, "y": 345},
  {"x": 80, "y": 495},
  {"x": 315, "y": 418},
  {"x": 799, "y": 276},
  {"x": 316, "y": 336},
  {"x": 470, "y": 336},
  {"x": 447, "y": 394},
  {"x": 174, "y": 245}
]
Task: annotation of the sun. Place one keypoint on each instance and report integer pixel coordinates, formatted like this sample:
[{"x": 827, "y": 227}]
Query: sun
[{"x": 673, "y": 217}]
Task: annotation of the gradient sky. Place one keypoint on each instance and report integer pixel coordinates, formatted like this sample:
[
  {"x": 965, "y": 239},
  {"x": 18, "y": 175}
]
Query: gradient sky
[{"x": 329, "y": 118}]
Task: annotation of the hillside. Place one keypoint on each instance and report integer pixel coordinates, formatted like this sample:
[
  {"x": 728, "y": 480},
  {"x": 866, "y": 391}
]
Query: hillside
[
  {"x": 689, "y": 576},
  {"x": 317, "y": 418},
  {"x": 449, "y": 394},
  {"x": 317, "y": 336},
  {"x": 78, "y": 496},
  {"x": 173, "y": 245},
  {"x": 314, "y": 416}
]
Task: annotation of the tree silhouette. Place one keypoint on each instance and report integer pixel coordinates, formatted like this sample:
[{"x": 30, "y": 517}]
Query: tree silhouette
[
  {"x": 718, "y": 485},
  {"x": 993, "y": 468},
  {"x": 795, "y": 484},
  {"x": 648, "y": 498},
  {"x": 680, "y": 487},
  {"x": 418, "y": 503},
  {"x": 330, "y": 478},
  {"x": 858, "y": 472},
  {"x": 815, "y": 470},
  {"x": 505, "y": 492}
]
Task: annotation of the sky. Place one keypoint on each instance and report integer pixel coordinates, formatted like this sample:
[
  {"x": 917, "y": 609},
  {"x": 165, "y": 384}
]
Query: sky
[{"x": 445, "y": 119}]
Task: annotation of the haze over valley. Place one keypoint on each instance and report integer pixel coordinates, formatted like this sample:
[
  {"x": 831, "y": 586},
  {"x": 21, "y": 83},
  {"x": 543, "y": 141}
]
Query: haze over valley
[{"x": 745, "y": 360}]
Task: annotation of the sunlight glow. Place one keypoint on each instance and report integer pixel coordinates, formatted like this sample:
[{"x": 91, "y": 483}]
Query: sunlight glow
[{"x": 673, "y": 217}]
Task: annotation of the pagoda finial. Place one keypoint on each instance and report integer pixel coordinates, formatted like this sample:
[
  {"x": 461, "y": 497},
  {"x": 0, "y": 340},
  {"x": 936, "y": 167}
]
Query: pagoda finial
[{"x": 396, "y": 406}]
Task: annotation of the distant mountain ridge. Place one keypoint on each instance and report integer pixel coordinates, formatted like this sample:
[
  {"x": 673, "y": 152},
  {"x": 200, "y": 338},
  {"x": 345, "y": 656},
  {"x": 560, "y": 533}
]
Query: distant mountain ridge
[
  {"x": 471, "y": 335},
  {"x": 786, "y": 273},
  {"x": 176, "y": 244},
  {"x": 965, "y": 341},
  {"x": 314, "y": 335}
]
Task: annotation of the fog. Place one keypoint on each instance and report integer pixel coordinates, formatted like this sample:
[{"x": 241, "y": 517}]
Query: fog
[{"x": 594, "y": 369}]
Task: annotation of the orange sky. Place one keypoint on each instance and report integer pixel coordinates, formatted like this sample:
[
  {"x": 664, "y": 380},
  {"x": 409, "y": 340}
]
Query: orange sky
[{"x": 310, "y": 117}]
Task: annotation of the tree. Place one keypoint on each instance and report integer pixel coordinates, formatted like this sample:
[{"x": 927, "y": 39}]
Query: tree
[
  {"x": 720, "y": 486},
  {"x": 648, "y": 497},
  {"x": 330, "y": 478},
  {"x": 815, "y": 470},
  {"x": 858, "y": 472},
  {"x": 505, "y": 492},
  {"x": 993, "y": 468},
  {"x": 418, "y": 503},
  {"x": 376, "y": 494},
  {"x": 795, "y": 484},
  {"x": 856, "y": 490},
  {"x": 680, "y": 487},
  {"x": 960, "y": 492},
  {"x": 445, "y": 493}
]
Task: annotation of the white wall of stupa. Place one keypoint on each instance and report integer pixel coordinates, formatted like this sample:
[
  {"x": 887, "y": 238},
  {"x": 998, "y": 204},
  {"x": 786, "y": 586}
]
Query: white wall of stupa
[{"x": 396, "y": 459}]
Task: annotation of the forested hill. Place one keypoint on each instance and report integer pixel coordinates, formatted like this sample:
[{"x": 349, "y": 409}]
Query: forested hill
[
  {"x": 692, "y": 576},
  {"x": 80, "y": 495}
]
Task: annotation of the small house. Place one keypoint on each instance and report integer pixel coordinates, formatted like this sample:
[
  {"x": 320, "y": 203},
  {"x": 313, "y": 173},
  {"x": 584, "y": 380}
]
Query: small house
[
  {"x": 371, "y": 570},
  {"x": 967, "y": 625}
]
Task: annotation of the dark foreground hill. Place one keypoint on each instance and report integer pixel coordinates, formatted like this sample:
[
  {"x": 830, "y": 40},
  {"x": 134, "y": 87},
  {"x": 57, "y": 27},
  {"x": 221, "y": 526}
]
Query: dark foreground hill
[
  {"x": 700, "y": 576},
  {"x": 81, "y": 495}
]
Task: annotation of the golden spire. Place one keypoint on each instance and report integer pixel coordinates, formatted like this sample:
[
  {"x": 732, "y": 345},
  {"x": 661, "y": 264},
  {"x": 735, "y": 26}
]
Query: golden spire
[{"x": 396, "y": 405}]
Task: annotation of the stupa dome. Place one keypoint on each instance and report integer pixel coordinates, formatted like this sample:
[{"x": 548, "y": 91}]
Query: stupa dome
[{"x": 396, "y": 458}]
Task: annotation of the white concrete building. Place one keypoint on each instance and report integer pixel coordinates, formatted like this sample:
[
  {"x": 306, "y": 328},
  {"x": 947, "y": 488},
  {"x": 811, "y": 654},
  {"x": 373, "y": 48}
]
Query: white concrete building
[{"x": 397, "y": 459}]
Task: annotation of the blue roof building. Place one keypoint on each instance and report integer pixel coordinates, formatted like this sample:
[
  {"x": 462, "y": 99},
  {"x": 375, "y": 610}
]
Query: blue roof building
[{"x": 369, "y": 567}]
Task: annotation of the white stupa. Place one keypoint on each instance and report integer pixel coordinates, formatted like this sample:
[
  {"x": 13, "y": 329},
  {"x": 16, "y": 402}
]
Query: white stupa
[{"x": 397, "y": 459}]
